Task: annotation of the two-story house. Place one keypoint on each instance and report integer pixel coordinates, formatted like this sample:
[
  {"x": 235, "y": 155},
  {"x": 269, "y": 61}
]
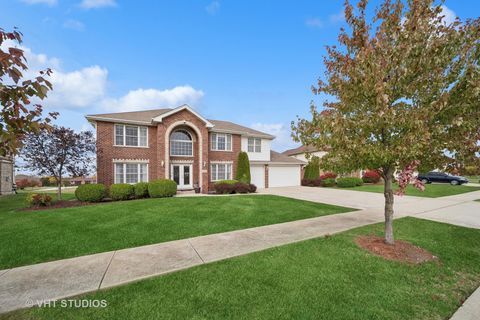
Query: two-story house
[{"x": 180, "y": 144}]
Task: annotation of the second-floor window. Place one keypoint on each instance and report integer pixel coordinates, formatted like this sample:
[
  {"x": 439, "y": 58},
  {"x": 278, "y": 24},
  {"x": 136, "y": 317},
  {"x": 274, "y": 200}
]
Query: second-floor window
[
  {"x": 254, "y": 145},
  {"x": 132, "y": 136},
  {"x": 221, "y": 142},
  {"x": 181, "y": 143}
]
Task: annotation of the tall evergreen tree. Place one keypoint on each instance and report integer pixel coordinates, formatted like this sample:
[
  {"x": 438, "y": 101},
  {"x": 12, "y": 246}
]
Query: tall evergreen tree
[{"x": 243, "y": 168}]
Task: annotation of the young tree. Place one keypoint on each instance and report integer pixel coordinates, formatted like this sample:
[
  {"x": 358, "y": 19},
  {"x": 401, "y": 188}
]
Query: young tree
[
  {"x": 312, "y": 169},
  {"x": 243, "y": 168},
  {"x": 17, "y": 116},
  {"x": 406, "y": 91},
  {"x": 58, "y": 152}
]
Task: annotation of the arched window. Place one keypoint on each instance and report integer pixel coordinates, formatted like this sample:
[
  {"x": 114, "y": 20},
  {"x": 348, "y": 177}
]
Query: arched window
[{"x": 181, "y": 143}]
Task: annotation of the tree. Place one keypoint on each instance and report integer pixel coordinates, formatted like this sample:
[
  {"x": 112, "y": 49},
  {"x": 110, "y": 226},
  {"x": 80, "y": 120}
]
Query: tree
[
  {"x": 17, "y": 114},
  {"x": 312, "y": 169},
  {"x": 243, "y": 168},
  {"x": 402, "y": 90},
  {"x": 58, "y": 152}
]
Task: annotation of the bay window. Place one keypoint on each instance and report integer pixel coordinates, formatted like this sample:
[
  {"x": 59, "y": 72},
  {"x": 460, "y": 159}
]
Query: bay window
[
  {"x": 132, "y": 136},
  {"x": 131, "y": 172}
]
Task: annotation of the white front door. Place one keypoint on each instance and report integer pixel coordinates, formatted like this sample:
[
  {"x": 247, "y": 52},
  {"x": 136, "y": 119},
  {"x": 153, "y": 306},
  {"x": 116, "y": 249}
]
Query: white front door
[{"x": 182, "y": 175}]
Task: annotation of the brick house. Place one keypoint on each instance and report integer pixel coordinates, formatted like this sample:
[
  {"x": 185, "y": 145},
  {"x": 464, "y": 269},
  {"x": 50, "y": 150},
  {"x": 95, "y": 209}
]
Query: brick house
[{"x": 180, "y": 144}]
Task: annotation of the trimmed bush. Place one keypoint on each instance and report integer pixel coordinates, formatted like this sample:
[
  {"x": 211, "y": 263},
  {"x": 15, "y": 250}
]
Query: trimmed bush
[
  {"x": 121, "y": 191},
  {"x": 349, "y": 182},
  {"x": 162, "y": 188},
  {"x": 371, "y": 177},
  {"x": 252, "y": 188},
  {"x": 39, "y": 200},
  {"x": 90, "y": 192},
  {"x": 225, "y": 186},
  {"x": 226, "y": 181},
  {"x": 312, "y": 169},
  {"x": 243, "y": 168},
  {"x": 241, "y": 187},
  {"x": 141, "y": 190},
  {"x": 328, "y": 182},
  {"x": 311, "y": 182}
]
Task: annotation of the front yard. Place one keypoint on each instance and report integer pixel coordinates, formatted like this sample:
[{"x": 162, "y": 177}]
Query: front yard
[
  {"x": 39, "y": 236},
  {"x": 431, "y": 190},
  {"x": 323, "y": 278}
]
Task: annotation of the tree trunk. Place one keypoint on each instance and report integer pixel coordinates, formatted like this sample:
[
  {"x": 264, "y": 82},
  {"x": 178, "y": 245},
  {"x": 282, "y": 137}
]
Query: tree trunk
[
  {"x": 59, "y": 190},
  {"x": 388, "y": 193}
]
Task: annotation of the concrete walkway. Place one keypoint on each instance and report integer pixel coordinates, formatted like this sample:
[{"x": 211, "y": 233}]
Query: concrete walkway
[
  {"x": 26, "y": 286},
  {"x": 470, "y": 310}
]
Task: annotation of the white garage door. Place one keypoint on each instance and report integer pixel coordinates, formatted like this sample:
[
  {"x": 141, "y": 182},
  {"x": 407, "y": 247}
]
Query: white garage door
[
  {"x": 257, "y": 176},
  {"x": 283, "y": 176}
]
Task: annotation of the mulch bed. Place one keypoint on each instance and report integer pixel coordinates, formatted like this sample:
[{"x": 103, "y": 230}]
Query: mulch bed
[
  {"x": 59, "y": 204},
  {"x": 401, "y": 251}
]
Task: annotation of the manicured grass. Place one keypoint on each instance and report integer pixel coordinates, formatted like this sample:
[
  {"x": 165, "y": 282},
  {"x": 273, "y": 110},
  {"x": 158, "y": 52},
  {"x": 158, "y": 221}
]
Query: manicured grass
[
  {"x": 324, "y": 278},
  {"x": 431, "y": 190},
  {"x": 32, "y": 237},
  {"x": 474, "y": 179}
]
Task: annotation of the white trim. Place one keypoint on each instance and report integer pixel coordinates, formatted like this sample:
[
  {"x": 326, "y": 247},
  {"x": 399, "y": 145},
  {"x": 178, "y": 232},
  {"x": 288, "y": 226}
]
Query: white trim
[
  {"x": 221, "y": 162},
  {"x": 167, "y": 147},
  {"x": 226, "y": 135},
  {"x": 229, "y": 177},
  {"x": 255, "y": 144},
  {"x": 184, "y": 141},
  {"x": 178, "y": 109},
  {"x": 105, "y": 119},
  {"x": 244, "y": 133},
  {"x": 125, "y": 171},
  {"x": 181, "y": 172},
  {"x": 181, "y": 161},
  {"x": 131, "y": 161},
  {"x": 125, "y": 136}
]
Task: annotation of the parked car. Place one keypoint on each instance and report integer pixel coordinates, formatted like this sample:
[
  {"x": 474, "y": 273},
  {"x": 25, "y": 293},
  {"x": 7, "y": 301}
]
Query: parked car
[{"x": 442, "y": 178}]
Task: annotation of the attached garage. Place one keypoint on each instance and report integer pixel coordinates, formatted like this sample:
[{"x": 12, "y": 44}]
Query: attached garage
[
  {"x": 257, "y": 175},
  {"x": 283, "y": 175}
]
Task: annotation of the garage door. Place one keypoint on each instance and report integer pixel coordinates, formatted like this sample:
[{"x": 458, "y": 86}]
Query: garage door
[
  {"x": 257, "y": 176},
  {"x": 283, "y": 176}
]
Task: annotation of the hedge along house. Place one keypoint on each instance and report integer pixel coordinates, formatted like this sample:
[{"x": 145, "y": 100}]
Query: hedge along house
[{"x": 182, "y": 145}]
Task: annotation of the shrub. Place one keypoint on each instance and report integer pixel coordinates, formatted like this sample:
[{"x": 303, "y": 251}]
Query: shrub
[
  {"x": 225, "y": 186},
  {"x": 39, "y": 200},
  {"x": 312, "y": 169},
  {"x": 27, "y": 183},
  {"x": 371, "y": 177},
  {"x": 121, "y": 191},
  {"x": 349, "y": 182},
  {"x": 241, "y": 187},
  {"x": 328, "y": 175},
  {"x": 252, "y": 188},
  {"x": 90, "y": 192},
  {"x": 141, "y": 190},
  {"x": 162, "y": 188},
  {"x": 243, "y": 168},
  {"x": 328, "y": 182},
  {"x": 311, "y": 182}
]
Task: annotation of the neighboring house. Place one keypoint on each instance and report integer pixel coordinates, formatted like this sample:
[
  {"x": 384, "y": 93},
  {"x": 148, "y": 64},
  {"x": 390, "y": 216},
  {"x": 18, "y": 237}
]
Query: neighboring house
[
  {"x": 6, "y": 175},
  {"x": 76, "y": 181},
  {"x": 180, "y": 144}
]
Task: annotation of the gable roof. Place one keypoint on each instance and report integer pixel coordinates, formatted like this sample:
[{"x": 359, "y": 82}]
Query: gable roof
[
  {"x": 277, "y": 157},
  {"x": 147, "y": 117},
  {"x": 299, "y": 150},
  {"x": 160, "y": 117}
]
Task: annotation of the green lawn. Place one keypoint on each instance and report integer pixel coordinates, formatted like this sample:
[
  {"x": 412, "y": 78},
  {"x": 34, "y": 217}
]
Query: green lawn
[
  {"x": 32, "y": 237},
  {"x": 431, "y": 190},
  {"x": 324, "y": 278},
  {"x": 474, "y": 179}
]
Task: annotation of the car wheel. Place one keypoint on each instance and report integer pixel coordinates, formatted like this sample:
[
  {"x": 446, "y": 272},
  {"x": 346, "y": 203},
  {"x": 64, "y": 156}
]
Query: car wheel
[
  {"x": 424, "y": 181},
  {"x": 454, "y": 182}
]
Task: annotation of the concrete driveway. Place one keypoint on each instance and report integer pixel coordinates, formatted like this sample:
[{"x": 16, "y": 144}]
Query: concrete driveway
[{"x": 459, "y": 209}]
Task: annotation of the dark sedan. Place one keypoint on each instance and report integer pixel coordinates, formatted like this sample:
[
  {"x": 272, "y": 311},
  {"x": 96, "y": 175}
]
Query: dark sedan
[{"x": 442, "y": 178}]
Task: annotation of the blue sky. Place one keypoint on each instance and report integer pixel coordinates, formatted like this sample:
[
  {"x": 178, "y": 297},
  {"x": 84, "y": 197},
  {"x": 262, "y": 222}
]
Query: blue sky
[{"x": 251, "y": 62}]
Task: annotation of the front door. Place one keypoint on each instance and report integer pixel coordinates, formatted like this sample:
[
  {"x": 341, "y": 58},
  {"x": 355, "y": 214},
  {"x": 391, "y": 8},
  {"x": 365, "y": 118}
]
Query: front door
[{"x": 182, "y": 175}]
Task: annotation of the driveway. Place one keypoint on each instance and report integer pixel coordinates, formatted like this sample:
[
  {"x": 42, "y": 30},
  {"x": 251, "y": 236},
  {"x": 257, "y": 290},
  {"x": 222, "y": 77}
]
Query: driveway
[{"x": 459, "y": 209}]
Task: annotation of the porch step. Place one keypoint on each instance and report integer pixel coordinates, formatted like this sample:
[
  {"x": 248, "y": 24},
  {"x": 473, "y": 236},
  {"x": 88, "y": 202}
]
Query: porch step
[{"x": 182, "y": 192}]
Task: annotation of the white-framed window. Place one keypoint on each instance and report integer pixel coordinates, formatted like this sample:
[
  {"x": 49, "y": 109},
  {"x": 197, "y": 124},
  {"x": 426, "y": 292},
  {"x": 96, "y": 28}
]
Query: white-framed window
[
  {"x": 131, "y": 172},
  {"x": 132, "y": 136},
  {"x": 221, "y": 142},
  {"x": 220, "y": 171},
  {"x": 254, "y": 145},
  {"x": 181, "y": 143}
]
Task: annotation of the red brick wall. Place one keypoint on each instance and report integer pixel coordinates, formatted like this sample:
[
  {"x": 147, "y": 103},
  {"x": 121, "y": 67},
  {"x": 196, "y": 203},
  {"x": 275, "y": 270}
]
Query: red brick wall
[
  {"x": 226, "y": 155},
  {"x": 106, "y": 152}
]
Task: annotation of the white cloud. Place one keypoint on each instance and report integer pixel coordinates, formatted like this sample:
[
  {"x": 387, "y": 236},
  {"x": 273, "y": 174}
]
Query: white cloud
[
  {"x": 74, "y": 25},
  {"x": 337, "y": 17},
  {"x": 92, "y": 4},
  {"x": 149, "y": 98},
  {"x": 213, "y": 7},
  {"x": 283, "y": 140},
  {"x": 449, "y": 15},
  {"x": 314, "y": 22},
  {"x": 47, "y": 2}
]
